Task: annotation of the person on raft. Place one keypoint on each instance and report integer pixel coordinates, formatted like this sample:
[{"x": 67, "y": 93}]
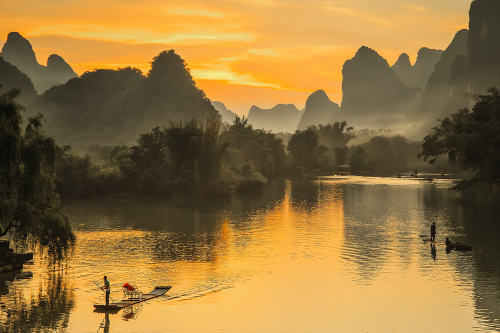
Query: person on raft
[
  {"x": 448, "y": 242},
  {"x": 433, "y": 231},
  {"x": 107, "y": 289}
]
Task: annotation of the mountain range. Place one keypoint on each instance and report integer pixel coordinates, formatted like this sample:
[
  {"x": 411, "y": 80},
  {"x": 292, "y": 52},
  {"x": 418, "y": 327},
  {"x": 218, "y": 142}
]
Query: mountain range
[
  {"x": 18, "y": 51},
  {"x": 114, "y": 106}
]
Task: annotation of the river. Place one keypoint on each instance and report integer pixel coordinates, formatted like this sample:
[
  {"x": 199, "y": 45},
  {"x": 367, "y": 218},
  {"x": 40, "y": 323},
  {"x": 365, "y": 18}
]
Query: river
[{"x": 335, "y": 254}]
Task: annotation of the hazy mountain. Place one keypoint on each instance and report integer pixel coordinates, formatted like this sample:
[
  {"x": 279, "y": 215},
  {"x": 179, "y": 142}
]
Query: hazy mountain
[
  {"x": 403, "y": 68},
  {"x": 370, "y": 86},
  {"x": 116, "y": 106},
  {"x": 281, "y": 118},
  {"x": 439, "y": 87},
  {"x": 227, "y": 115},
  {"x": 18, "y": 51},
  {"x": 319, "y": 110},
  {"x": 13, "y": 78},
  {"x": 416, "y": 76},
  {"x": 58, "y": 70},
  {"x": 426, "y": 61},
  {"x": 484, "y": 44}
]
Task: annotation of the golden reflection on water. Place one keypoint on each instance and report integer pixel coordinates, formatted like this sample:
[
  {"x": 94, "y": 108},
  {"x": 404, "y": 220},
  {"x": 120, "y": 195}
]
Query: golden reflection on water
[{"x": 329, "y": 255}]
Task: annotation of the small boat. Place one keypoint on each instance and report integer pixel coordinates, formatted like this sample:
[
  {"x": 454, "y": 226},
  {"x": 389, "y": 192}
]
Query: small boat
[{"x": 117, "y": 306}]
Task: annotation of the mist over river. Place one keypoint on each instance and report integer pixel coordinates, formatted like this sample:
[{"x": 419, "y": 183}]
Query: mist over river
[{"x": 338, "y": 254}]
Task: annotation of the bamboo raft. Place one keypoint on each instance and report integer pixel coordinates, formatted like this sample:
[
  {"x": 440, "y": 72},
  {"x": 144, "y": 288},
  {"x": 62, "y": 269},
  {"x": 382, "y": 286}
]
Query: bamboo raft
[{"x": 117, "y": 306}]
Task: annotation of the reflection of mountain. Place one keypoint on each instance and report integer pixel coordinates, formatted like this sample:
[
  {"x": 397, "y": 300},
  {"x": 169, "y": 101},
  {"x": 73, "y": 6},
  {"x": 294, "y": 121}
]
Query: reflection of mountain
[
  {"x": 479, "y": 223},
  {"x": 19, "y": 52},
  {"x": 47, "y": 310},
  {"x": 281, "y": 118},
  {"x": 369, "y": 231},
  {"x": 474, "y": 222}
]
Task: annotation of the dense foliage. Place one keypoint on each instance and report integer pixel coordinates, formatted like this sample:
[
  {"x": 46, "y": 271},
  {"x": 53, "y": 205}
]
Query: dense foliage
[
  {"x": 319, "y": 149},
  {"x": 30, "y": 210},
  {"x": 471, "y": 139},
  {"x": 185, "y": 158},
  {"x": 385, "y": 155}
]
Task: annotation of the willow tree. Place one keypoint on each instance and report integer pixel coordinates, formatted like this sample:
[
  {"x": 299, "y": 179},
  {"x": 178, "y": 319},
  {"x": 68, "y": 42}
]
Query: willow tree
[{"x": 30, "y": 210}]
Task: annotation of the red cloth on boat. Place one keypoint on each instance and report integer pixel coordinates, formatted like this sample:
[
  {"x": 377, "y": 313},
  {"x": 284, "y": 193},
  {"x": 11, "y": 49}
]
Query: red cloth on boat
[{"x": 128, "y": 286}]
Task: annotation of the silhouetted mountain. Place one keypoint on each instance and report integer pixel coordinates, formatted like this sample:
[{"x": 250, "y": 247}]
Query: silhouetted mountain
[
  {"x": 168, "y": 94},
  {"x": 13, "y": 78},
  {"x": 416, "y": 76},
  {"x": 18, "y": 51},
  {"x": 403, "y": 68},
  {"x": 227, "y": 115},
  {"x": 484, "y": 44},
  {"x": 87, "y": 109},
  {"x": 281, "y": 118},
  {"x": 370, "y": 86},
  {"x": 426, "y": 61},
  {"x": 439, "y": 86},
  {"x": 319, "y": 110},
  {"x": 59, "y": 70},
  {"x": 116, "y": 106}
]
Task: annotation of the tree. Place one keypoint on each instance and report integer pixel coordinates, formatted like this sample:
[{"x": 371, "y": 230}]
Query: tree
[
  {"x": 305, "y": 150},
  {"x": 471, "y": 139},
  {"x": 253, "y": 152},
  {"x": 30, "y": 210}
]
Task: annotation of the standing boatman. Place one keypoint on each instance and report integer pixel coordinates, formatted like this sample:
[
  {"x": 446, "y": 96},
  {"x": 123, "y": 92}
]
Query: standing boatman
[
  {"x": 107, "y": 289},
  {"x": 433, "y": 231}
]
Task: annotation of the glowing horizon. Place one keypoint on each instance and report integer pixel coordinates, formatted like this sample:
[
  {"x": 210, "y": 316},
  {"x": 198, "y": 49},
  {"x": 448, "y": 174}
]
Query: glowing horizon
[{"x": 240, "y": 52}]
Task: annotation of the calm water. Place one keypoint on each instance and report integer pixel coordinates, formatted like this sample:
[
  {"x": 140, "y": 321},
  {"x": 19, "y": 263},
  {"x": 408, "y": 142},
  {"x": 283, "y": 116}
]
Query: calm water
[{"x": 329, "y": 255}]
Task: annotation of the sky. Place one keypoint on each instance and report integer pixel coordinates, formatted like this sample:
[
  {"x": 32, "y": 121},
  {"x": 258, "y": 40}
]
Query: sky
[{"x": 240, "y": 52}]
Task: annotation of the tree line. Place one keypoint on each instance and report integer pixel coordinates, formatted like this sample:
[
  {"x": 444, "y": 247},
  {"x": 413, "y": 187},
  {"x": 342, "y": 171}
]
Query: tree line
[{"x": 210, "y": 159}]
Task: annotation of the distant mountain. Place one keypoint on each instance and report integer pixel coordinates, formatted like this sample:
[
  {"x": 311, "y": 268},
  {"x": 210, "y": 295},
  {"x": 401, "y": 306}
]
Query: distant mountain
[
  {"x": 426, "y": 61},
  {"x": 18, "y": 51},
  {"x": 403, "y": 68},
  {"x": 227, "y": 115},
  {"x": 319, "y": 110},
  {"x": 281, "y": 118},
  {"x": 13, "y": 78},
  {"x": 416, "y": 76},
  {"x": 370, "y": 85},
  {"x": 484, "y": 45},
  {"x": 439, "y": 86},
  {"x": 116, "y": 106}
]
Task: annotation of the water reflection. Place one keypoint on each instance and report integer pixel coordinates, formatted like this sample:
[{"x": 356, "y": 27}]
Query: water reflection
[
  {"x": 477, "y": 225},
  {"x": 46, "y": 309},
  {"x": 306, "y": 256}
]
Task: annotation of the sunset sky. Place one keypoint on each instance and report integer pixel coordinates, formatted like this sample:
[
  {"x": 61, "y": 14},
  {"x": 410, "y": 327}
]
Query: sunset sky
[{"x": 241, "y": 52}]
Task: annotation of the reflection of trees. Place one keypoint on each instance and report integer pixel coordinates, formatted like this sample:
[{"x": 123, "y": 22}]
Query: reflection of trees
[
  {"x": 178, "y": 229},
  {"x": 184, "y": 215},
  {"x": 476, "y": 225},
  {"x": 11, "y": 276},
  {"x": 305, "y": 194},
  {"x": 481, "y": 229},
  {"x": 376, "y": 220},
  {"x": 48, "y": 309}
]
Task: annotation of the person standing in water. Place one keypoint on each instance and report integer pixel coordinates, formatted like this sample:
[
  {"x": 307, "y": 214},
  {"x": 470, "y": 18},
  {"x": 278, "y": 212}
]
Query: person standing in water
[
  {"x": 107, "y": 289},
  {"x": 433, "y": 231}
]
